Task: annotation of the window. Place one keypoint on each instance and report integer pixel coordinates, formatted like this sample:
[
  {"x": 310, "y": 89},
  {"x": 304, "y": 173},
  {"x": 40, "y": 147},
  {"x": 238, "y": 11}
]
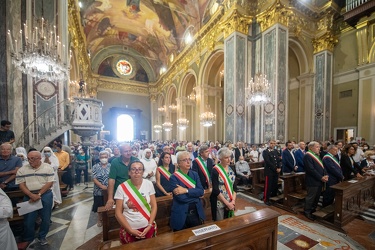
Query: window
[{"x": 125, "y": 128}]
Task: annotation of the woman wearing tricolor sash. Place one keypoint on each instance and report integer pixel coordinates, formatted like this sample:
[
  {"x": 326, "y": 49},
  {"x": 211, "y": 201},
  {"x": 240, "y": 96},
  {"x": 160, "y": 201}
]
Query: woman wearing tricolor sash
[
  {"x": 223, "y": 196},
  {"x": 187, "y": 209},
  {"x": 163, "y": 173},
  {"x": 136, "y": 206}
]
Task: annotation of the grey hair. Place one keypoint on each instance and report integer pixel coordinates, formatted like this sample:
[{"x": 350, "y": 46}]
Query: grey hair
[
  {"x": 202, "y": 148},
  {"x": 180, "y": 155},
  {"x": 104, "y": 152},
  {"x": 224, "y": 152},
  {"x": 331, "y": 147},
  {"x": 313, "y": 143},
  {"x": 7, "y": 144}
]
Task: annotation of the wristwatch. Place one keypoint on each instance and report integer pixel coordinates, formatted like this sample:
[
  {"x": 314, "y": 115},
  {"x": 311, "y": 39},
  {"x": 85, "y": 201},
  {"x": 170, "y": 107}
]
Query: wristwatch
[
  {"x": 187, "y": 190},
  {"x": 5, "y": 183}
]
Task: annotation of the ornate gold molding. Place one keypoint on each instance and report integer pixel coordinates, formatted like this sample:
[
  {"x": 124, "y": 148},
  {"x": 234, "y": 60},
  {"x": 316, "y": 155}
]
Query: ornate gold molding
[
  {"x": 133, "y": 88},
  {"x": 234, "y": 21},
  {"x": 277, "y": 13},
  {"x": 325, "y": 42}
]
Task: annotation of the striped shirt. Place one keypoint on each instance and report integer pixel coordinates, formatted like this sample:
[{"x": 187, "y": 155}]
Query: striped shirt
[{"x": 35, "y": 178}]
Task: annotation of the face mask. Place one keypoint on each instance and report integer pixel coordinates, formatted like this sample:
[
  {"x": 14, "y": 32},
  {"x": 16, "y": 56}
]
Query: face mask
[
  {"x": 81, "y": 151},
  {"x": 104, "y": 160},
  {"x": 372, "y": 157},
  {"x": 48, "y": 154},
  {"x": 242, "y": 161},
  {"x": 365, "y": 147},
  {"x": 54, "y": 150}
]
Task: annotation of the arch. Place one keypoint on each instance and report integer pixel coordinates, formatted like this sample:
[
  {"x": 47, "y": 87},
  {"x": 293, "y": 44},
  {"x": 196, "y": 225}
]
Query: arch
[
  {"x": 171, "y": 92},
  {"x": 184, "y": 83},
  {"x": 302, "y": 55},
  {"x": 209, "y": 62}
]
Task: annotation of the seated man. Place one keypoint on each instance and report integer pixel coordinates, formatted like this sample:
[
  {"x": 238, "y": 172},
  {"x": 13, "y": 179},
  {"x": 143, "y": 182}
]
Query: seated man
[
  {"x": 243, "y": 172},
  {"x": 9, "y": 165}
]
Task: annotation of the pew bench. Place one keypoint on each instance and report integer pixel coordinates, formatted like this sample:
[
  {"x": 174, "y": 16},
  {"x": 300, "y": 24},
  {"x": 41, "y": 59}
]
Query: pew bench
[
  {"x": 111, "y": 227},
  {"x": 15, "y": 197}
]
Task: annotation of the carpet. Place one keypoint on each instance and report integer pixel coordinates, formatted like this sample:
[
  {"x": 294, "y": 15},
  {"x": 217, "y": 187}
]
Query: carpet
[{"x": 294, "y": 233}]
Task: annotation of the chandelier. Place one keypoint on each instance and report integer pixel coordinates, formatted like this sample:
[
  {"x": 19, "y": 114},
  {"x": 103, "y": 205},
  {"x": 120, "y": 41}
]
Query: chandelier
[
  {"x": 182, "y": 123},
  {"x": 161, "y": 109},
  {"x": 167, "y": 126},
  {"x": 173, "y": 107},
  {"x": 257, "y": 91},
  {"x": 207, "y": 118},
  {"x": 38, "y": 52},
  {"x": 157, "y": 128}
]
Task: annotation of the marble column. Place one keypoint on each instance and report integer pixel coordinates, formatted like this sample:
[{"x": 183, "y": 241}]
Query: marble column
[
  {"x": 322, "y": 95},
  {"x": 275, "y": 61},
  {"x": 235, "y": 65}
]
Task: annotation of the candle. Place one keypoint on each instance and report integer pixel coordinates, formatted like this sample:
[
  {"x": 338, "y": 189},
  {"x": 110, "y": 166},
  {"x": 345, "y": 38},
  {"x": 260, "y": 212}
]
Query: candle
[
  {"x": 15, "y": 41},
  {"x": 42, "y": 27},
  {"x": 21, "y": 40},
  {"x": 50, "y": 40},
  {"x": 36, "y": 36},
  {"x": 54, "y": 31},
  {"x": 10, "y": 42},
  {"x": 63, "y": 52}
]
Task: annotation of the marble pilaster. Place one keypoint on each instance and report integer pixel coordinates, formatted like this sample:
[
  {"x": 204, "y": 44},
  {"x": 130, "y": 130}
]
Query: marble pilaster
[{"x": 4, "y": 43}]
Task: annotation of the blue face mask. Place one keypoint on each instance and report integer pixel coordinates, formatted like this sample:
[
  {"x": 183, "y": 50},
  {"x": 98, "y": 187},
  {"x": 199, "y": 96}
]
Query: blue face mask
[
  {"x": 48, "y": 154},
  {"x": 54, "y": 150}
]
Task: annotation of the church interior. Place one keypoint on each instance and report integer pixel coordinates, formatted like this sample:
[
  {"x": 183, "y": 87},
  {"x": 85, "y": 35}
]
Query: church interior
[{"x": 188, "y": 70}]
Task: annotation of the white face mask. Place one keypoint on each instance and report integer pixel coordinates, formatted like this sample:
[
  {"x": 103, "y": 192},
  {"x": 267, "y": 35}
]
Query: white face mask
[
  {"x": 242, "y": 161},
  {"x": 365, "y": 148},
  {"x": 372, "y": 157},
  {"x": 104, "y": 160}
]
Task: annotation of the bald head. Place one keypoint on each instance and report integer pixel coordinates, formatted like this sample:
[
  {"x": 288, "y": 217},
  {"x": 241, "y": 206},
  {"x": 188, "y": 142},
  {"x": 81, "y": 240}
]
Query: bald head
[{"x": 34, "y": 158}]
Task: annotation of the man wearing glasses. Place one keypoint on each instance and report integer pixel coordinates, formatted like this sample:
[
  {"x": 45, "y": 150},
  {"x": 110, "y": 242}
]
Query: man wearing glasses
[
  {"x": 35, "y": 180},
  {"x": 9, "y": 165}
]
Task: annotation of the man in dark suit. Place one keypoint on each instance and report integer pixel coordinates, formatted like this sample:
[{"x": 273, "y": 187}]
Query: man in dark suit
[
  {"x": 332, "y": 166},
  {"x": 203, "y": 166},
  {"x": 239, "y": 151},
  {"x": 288, "y": 159},
  {"x": 299, "y": 154},
  {"x": 316, "y": 177},
  {"x": 272, "y": 168}
]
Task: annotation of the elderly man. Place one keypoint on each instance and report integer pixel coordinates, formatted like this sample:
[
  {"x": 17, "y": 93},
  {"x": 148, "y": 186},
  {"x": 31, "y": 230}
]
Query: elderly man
[
  {"x": 9, "y": 165},
  {"x": 203, "y": 166},
  {"x": 239, "y": 151},
  {"x": 35, "y": 180},
  {"x": 119, "y": 172},
  {"x": 243, "y": 171},
  {"x": 332, "y": 166},
  {"x": 316, "y": 177}
]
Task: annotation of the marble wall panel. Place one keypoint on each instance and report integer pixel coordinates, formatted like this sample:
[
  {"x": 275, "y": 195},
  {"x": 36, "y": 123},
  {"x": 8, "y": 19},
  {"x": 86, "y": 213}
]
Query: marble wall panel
[
  {"x": 320, "y": 65},
  {"x": 229, "y": 67},
  {"x": 327, "y": 116},
  {"x": 241, "y": 43},
  {"x": 3, "y": 60},
  {"x": 281, "y": 83}
]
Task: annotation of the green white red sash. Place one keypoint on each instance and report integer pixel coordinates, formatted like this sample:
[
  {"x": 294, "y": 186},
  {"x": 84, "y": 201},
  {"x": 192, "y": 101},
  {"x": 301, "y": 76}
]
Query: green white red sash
[
  {"x": 333, "y": 159},
  {"x": 138, "y": 200},
  {"x": 227, "y": 182},
  {"x": 203, "y": 168},
  {"x": 164, "y": 172},
  {"x": 315, "y": 157},
  {"x": 184, "y": 178}
]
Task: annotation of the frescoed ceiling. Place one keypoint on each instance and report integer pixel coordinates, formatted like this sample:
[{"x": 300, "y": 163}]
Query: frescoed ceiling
[{"x": 145, "y": 33}]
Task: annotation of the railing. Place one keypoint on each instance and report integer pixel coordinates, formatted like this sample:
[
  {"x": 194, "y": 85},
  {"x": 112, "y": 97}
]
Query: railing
[
  {"x": 46, "y": 123},
  {"x": 352, "y": 4}
]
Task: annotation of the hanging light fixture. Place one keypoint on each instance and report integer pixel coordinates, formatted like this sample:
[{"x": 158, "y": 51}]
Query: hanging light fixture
[
  {"x": 207, "y": 118},
  {"x": 157, "y": 128},
  {"x": 173, "y": 107},
  {"x": 182, "y": 123},
  {"x": 161, "y": 109},
  {"x": 257, "y": 91},
  {"x": 38, "y": 52},
  {"x": 167, "y": 126}
]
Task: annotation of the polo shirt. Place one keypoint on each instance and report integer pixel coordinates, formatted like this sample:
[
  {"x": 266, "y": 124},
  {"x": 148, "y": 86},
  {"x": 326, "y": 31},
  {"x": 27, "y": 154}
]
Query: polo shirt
[
  {"x": 8, "y": 165},
  {"x": 119, "y": 171},
  {"x": 35, "y": 178}
]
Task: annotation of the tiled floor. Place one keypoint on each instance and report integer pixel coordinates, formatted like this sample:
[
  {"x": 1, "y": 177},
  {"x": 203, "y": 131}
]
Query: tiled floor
[{"x": 73, "y": 223}]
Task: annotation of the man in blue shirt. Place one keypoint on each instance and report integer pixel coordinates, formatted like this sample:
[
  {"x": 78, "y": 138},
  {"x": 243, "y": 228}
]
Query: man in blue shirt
[{"x": 9, "y": 165}]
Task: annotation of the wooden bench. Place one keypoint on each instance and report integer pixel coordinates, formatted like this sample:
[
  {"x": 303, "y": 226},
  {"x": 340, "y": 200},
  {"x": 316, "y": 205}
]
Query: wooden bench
[
  {"x": 257, "y": 230},
  {"x": 15, "y": 197},
  {"x": 63, "y": 187},
  {"x": 111, "y": 228}
]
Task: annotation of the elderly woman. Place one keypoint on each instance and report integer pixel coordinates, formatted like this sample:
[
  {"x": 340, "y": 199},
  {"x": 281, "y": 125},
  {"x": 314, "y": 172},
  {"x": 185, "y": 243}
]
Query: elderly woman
[
  {"x": 187, "y": 209},
  {"x": 349, "y": 167},
  {"x": 150, "y": 165},
  {"x": 163, "y": 173},
  {"x": 136, "y": 206},
  {"x": 223, "y": 196},
  {"x": 368, "y": 162},
  {"x": 21, "y": 153},
  {"x": 49, "y": 157},
  {"x": 7, "y": 239},
  {"x": 100, "y": 172}
]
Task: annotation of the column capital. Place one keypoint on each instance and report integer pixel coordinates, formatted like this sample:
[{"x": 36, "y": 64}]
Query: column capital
[
  {"x": 235, "y": 21},
  {"x": 327, "y": 41},
  {"x": 277, "y": 13}
]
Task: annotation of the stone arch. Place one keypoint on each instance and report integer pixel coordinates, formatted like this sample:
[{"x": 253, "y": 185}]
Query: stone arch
[
  {"x": 185, "y": 83},
  {"x": 208, "y": 64},
  {"x": 302, "y": 55}
]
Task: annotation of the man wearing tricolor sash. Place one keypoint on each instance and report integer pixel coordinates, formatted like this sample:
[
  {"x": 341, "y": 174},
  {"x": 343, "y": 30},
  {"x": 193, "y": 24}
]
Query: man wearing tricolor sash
[
  {"x": 333, "y": 168},
  {"x": 136, "y": 206},
  {"x": 316, "y": 177},
  {"x": 187, "y": 209},
  {"x": 203, "y": 166}
]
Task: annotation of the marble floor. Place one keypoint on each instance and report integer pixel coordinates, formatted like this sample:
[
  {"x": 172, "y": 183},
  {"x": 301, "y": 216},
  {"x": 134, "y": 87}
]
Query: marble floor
[{"x": 74, "y": 225}]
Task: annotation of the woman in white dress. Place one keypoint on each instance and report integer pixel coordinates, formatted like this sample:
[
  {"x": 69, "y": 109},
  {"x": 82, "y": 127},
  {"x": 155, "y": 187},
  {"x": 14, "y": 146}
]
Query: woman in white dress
[
  {"x": 49, "y": 157},
  {"x": 7, "y": 240},
  {"x": 21, "y": 153}
]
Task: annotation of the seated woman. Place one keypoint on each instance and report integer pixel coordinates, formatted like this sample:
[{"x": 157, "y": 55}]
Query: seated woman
[
  {"x": 187, "y": 209},
  {"x": 368, "y": 163},
  {"x": 136, "y": 206},
  {"x": 164, "y": 171},
  {"x": 223, "y": 196}
]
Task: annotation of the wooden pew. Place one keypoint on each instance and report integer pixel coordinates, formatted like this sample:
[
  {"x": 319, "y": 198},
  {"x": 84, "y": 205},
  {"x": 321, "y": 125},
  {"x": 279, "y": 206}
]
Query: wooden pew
[
  {"x": 111, "y": 227},
  {"x": 63, "y": 187},
  {"x": 258, "y": 181},
  {"x": 352, "y": 198},
  {"x": 257, "y": 230},
  {"x": 16, "y": 197}
]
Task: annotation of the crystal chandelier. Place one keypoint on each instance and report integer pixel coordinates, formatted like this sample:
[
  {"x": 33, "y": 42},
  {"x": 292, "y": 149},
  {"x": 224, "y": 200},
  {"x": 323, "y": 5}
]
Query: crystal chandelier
[
  {"x": 257, "y": 91},
  {"x": 167, "y": 126},
  {"x": 207, "y": 118},
  {"x": 38, "y": 52},
  {"x": 157, "y": 129},
  {"x": 173, "y": 107},
  {"x": 161, "y": 109},
  {"x": 182, "y": 123}
]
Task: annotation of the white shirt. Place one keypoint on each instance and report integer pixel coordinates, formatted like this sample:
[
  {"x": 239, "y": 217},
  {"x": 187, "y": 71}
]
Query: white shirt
[
  {"x": 254, "y": 155},
  {"x": 150, "y": 166}
]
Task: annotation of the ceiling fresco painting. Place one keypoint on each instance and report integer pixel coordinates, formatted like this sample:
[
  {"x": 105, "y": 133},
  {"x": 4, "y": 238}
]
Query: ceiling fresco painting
[{"x": 153, "y": 28}]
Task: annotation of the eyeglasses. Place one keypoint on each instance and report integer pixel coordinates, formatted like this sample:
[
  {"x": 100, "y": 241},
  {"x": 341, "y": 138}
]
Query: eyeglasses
[
  {"x": 136, "y": 170},
  {"x": 186, "y": 160},
  {"x": 33, "y": 158}
]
